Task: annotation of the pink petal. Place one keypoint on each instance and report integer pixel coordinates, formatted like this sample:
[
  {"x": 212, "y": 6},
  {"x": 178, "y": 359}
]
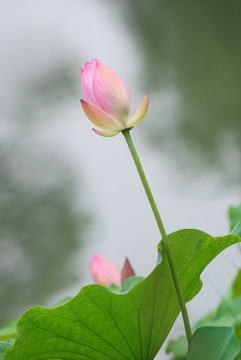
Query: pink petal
[
  {"x": 104, "y": 272},
  {"x": 99, "y": 117},
  {"x": 127, "y": 271},
  {"x": 106, "y": 133},
  {"x": 87, "y": 82},
  {"x": 140, "y": 113},
  {"x": 111, "y": 93}
]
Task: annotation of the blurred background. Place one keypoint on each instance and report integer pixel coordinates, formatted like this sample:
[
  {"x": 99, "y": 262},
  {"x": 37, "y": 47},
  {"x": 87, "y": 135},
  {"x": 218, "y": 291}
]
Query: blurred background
[{"x": 66, "y": 193}]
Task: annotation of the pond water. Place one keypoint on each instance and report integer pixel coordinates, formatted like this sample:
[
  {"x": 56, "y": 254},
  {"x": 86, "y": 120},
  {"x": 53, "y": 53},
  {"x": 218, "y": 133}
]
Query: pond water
[{"x": 67, "y": 193}]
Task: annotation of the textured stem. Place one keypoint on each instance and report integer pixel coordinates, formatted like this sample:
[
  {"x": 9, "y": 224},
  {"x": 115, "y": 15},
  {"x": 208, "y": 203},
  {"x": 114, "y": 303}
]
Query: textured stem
[{"x": 146, "y": 186}]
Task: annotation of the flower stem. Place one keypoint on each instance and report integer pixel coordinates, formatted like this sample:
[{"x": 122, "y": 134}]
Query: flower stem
[{"x": 140, "y": 170}]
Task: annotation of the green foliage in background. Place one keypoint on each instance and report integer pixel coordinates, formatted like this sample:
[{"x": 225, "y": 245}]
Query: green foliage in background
[
  {"x": 228, "y": 312},
  {"x": 191, "y": 65},
  {"x": 41, "y": 227},
  {"x": 4, "y": 346},
  {"x": 9, "y": 331},
  {"x": 234, "y": 214},
  {"x": 213, "y": 343}
]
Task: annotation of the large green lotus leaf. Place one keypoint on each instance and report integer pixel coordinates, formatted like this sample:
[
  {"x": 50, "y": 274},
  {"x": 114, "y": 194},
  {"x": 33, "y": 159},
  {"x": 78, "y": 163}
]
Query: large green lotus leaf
[
  {"x": 214, "y": 343},
  {"x": 98, "y": 324}
]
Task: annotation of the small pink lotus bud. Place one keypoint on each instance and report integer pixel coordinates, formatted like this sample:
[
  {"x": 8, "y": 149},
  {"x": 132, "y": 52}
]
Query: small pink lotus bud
[
  {"x": 107, "y": 101},
  {"x": 104, "y": 272}
]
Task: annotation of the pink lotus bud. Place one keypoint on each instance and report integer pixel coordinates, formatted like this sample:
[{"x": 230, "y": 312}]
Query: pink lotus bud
[
  {"x": 107, "y": 101},
  {"x": 104, "y": 272}
]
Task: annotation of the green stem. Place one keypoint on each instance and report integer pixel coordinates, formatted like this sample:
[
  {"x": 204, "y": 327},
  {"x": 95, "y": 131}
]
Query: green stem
[{"x": 140, "y": 170}]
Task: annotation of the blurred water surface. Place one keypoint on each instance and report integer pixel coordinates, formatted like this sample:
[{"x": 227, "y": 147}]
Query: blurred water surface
[{"x": 67, "y": 193}]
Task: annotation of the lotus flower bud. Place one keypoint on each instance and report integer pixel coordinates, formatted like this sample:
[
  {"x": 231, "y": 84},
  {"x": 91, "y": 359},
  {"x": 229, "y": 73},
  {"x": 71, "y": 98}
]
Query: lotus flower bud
[
  {"x": 106, "y": 100},
  {"x": 105, "y": 273}
]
